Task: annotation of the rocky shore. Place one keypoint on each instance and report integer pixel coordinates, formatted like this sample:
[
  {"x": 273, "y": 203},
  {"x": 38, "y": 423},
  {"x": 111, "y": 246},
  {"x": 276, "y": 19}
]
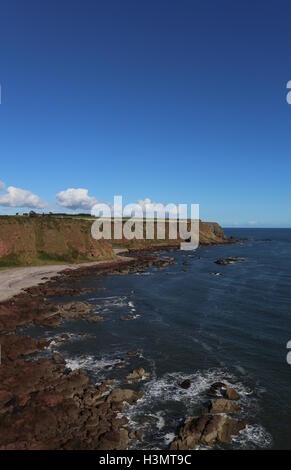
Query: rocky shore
[
  {"x": 217, "y": 423},
  {"x": 45, "y": 405}
]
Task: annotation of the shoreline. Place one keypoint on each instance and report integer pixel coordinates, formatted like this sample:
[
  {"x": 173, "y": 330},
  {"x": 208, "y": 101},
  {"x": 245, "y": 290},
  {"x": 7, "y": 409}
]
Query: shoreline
[
  {"x": 42, "y": 404},
  {"x": 14, "y": 281}
]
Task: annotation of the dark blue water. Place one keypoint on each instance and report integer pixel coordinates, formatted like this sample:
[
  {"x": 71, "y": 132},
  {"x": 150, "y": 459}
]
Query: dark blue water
[{"x": 192, "y": 323}]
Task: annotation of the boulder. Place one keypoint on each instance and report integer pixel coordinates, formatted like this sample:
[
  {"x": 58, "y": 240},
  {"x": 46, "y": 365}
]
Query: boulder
[
  {"x": 185, "y": 384},
  {"x": 95, "y": 319},
  {"x": 220, "y": 405},
  {"x": 206, "y": 430},
  {"x": 137, "y": 374},
  {"x": 221, "y": 389},
  {"x": 121, "y": 395}
]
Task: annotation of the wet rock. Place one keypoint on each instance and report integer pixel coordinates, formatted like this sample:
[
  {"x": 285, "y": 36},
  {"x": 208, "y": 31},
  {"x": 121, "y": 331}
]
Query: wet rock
[
  {"x": 121, "y": 395},
  {"x": 5, "y": 398},
  {"x": 132, "y": 353},
  {"x": 220, "y": 405},
  {"x": 137, "y": 374},
  {"x": 75, "y": 310},
  {"x": 206, "y": 430},
  {"x": 226, "y": 261},
  {"x": 185, "y": 384},
  {"x": 221, "y": 389},
  {"x": 58, "y": 358},
  {"x": 138, "y": 434},
  {"x": 164, "y": 262},
  {"x": 231, "y": 394},
  {"x": 13, "y": 346},
  {"x": 114, "y": 440},
  {"x": 127, "y": 317},
  {"x": 96, "y": 319},
  {"x": 57, "y": 409}
]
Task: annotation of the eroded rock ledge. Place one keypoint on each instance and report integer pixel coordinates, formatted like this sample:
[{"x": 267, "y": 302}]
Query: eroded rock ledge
[
  {"x": 216, "y": 423},
  {"x": 43, "y": 405}
]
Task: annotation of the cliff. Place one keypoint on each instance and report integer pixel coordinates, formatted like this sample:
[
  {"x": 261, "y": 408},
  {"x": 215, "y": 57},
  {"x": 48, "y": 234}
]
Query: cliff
[{"x": 27, "y": 241}]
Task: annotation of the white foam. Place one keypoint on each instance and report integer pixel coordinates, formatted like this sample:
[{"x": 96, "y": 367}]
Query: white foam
[
  {"x": 160, "y": 392},
  {"x": 169, "y": 437},
  {"x": 58, "y": 340},
  {"x": 253, "y": 436},
  {"x": 90, "y": 363}
]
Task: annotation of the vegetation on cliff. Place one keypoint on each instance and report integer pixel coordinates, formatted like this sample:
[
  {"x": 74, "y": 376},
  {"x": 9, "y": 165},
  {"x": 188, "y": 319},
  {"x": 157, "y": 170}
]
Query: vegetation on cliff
[{"x": 27, "y": 241}]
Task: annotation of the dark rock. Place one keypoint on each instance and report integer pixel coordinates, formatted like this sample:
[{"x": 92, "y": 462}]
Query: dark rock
[
  {"x": 58, "y": 358},
  {"x": 220, "y": 405},
  {"x": 185, "y": 384},
  {"x": 137, "y": 375},
  {"x": 206, "y": 430},
  {"x": 226, "y": 261},
  {"x": 221, "y": 389}
]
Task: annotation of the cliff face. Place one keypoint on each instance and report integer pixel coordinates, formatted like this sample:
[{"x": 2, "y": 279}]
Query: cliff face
[
  {"x": 51, "y": 240},
  {"x": 211, "y": 233},
  {"x": 45, "y": 240}
]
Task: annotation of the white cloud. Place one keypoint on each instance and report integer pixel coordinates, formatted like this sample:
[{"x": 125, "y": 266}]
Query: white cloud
[
  {"x": 150, "y": 207},
  {"x": 17, "y": 197},
  {"x": 76, "y": 198},
  {"x": 2, "y": 185}
]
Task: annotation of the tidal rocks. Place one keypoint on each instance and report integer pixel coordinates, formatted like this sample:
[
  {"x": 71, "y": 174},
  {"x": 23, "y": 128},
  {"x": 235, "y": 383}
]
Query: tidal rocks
[
  {"x": 137, "y": 375},
  {"x": 133, "y": 353},
  {"x": 57, "y": 409},
  {"x": 120, "y": 395},
  {"x": 220, "y": 405},
  {"x": 226, "y": 261},
  {"x": 75, "y": 310},
  {"x": 213, "y": 425},
  {"x": 185, "y": 384},
  {"x": 231, "y": 394},
  {"x": 221, "y": 389},
  {"x": 127, "y": 317},
  {"x": 58, "y": 358},
  {"x": 13, "y": 346},
  {"x": 164, "y": 262},
  {"x": 95, "y": 319},
  {"x": 65, "y": 311},
  {"x": 207, "y": 430}
]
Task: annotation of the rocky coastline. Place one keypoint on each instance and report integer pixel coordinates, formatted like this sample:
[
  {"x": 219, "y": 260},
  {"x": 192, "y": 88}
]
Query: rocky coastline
[{"x": 43, "y": 405}]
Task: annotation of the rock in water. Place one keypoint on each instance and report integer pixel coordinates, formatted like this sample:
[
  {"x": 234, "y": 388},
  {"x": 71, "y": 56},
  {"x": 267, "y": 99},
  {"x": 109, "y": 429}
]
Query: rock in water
[
  {"x": 137, "y": 375},
  {"x": 96, "y": 319},
  {"x": 221, "y": 389},
  {"x": 220, "y": 405},
  {"x": 206, "y": 430},
  {"x": 185, "y": 384}
]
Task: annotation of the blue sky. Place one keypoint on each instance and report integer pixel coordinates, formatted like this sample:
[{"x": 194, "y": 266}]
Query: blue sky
[{"x": 176, "y": 101}]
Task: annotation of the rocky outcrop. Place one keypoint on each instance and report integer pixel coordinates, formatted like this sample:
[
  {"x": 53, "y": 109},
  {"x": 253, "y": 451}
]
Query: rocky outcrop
[
  {"x": 43, "y": 406},
  {"x": 137, "y": 375},
  {"x": 216, "y": 423},
  {"x": 220, "y": 405},
  {"x": 226, "y": 261},
  {"x": 206, "y": 430},
  {"x": 221, "y": 389},
  {"x": 185, "y": 384}
]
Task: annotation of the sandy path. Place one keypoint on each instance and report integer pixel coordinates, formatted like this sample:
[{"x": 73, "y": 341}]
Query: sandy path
[{"x": 14, "y": 280}]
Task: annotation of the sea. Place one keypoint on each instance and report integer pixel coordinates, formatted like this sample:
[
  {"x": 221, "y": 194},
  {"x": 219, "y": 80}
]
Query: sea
[{"x": 200, "y": 321}]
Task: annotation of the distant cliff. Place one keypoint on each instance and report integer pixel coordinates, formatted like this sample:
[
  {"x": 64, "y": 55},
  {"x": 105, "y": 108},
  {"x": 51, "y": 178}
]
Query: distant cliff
[{"x": 50, "y": 240}]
